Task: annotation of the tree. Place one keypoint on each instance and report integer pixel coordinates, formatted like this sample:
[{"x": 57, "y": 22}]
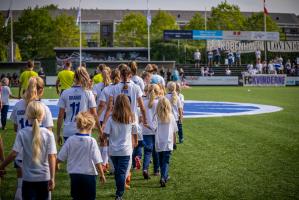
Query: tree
[
  {"x": 226, "y": 17},
  {"x": 256, "y": 23},
  {"x": 196, "y": 23},
  {"x": 162, "y": 21},
  {"x": 132, "y": 31},
  {"x": 67, "y": 34},
  {"x": 3, "y": 39},
  {"x": 35, "y": 33}
]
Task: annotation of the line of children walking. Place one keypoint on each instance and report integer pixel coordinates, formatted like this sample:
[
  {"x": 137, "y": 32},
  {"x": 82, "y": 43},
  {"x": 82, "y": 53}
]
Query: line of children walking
[{"x": 115, "y": 107}]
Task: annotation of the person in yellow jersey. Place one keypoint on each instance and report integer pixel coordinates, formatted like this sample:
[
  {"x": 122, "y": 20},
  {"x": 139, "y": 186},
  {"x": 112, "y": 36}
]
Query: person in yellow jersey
[
  {"x": 65, "y": 78},
  {"x": 25, "y": 76},
  {"x": 98, "y": 78}
]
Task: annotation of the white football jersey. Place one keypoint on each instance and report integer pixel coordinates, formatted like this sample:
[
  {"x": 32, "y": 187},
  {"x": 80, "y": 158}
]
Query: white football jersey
[
  {"x": 105, "y": 94},
  {"x": 75, "y": 100},
  {"x": 150, "y": 114},
  {"x": 18, "y": 115},
  {"x": 138, "y": 81},
  {"x": 97, "y": 90},
  {"x": 175, "y": 108},
  {"x": 133, "y": 92}
]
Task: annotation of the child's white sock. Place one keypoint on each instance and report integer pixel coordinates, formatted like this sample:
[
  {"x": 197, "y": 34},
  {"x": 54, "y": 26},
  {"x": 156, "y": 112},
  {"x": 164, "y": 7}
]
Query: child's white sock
[
  {"x": 18, "y": 195},
  {"x": 104, "y": 153}
]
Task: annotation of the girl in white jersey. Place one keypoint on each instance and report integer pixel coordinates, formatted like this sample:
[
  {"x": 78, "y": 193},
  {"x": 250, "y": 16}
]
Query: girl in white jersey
[
  {"x": 34, "y": 92},
  {"x": 102, "y": 108},
  {"x": 177, "y": 108},
  {"x": 135, "y": 78},
  {"x": 77, "y": 99},
  {"x": 134, "y": 93},
  {"x": 39, "y": 155},
  {"x": 98, "y": 90},
  {"x": 122, "y": 138},
  {"x": 83, "y": 159},
  {"x": 148, "y": 132},
  {"x": 182, "y": 99},
  {"x": 165, "y": 136}
]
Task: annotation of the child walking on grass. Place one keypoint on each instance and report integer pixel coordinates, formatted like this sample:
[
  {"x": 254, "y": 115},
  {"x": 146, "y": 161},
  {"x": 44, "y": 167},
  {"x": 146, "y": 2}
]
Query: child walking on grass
[
  {"x": 119, "y": 129},
  {"x": 164, "y": 137},
  {"x": 83, "y": 159},
  {"x": 177, "y": 108},
  {"x": 5, "y": 95},
  {"x": 39, "y": 155}
]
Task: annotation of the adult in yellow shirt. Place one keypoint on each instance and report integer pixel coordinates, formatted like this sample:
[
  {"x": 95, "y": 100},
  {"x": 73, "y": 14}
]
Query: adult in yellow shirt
[
  {"x": 99, "y": 78},
  {"x": 65, "y": 78},
  {"x": 25, "y": 76}
]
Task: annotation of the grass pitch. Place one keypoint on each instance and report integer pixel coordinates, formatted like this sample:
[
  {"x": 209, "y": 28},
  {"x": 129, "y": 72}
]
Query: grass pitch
[{"x": 242, "y": 157}]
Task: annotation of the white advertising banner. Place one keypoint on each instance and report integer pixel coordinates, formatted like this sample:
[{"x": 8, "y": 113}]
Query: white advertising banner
[
  {"x": 248, "y": 47},
  {"x": 251, "y": 35},
  {"x": 212, "y": 80},
  {"x": 264, "y": 80},
  {"x": 243, "y": 47},
  {"x": 292, "y": 80},
  {"x": 283, "y": 46}
]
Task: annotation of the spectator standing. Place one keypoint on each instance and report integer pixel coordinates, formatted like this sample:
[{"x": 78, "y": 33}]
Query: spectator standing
[
  {"x": 238, "y": 58},
  {"x": 210, "y": 58},
  {"x": 197, "y": 58},
  {"x": 25, "y": 76},
  {"x": 258, "y": 55},
  {"x": 217, "y": 56},
  {"x": 230, "y": 57}
]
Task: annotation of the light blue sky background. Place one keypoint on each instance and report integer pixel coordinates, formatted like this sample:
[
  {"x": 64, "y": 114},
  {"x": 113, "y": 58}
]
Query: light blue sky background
[{"x": 284, "y": 6}]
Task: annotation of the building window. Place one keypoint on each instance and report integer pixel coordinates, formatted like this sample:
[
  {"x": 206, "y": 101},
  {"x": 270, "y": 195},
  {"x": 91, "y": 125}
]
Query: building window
[{"x": 106, "y": 30}]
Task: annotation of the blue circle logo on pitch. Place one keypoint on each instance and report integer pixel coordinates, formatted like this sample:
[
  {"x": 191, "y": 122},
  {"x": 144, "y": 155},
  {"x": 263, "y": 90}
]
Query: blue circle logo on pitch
[{"x": 195, "y": 109}]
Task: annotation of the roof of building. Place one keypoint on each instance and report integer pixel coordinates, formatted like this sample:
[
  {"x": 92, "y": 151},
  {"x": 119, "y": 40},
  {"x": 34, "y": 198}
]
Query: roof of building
[{"x": 180, "y": 15}]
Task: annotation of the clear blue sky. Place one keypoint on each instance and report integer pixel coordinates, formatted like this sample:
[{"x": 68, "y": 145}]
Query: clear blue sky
[{"x": 284, "y": 6}]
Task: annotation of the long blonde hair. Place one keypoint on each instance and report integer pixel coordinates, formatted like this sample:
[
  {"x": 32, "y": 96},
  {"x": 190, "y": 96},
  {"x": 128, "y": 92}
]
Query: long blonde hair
[
  {"x": 106, "y": 77},
  {"x": 85, "y": 121},
  {"x": 153, "y": 91},
  {"x": 82, "y": 78},
  {"x": 122, "y": 111},
  {"x": 115, "y": 76},
  {"x": 35, "y": 113},
  {"x": 164, "y": 110},
  {"x": 34, "y": 90},
  {"x": 171, "y": 86}
]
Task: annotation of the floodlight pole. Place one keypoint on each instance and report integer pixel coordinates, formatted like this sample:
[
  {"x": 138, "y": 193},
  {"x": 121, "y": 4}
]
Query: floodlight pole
[
  {"x": 80, "y": 48},
  {"x": 148, "y": 35},
  {"x": 265, "y": 30}
]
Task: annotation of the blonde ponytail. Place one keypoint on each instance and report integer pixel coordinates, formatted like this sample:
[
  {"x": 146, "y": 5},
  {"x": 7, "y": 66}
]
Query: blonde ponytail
[
  {"x": 36, "y": 142},
  {"x": 171, "y": 86},
  {"x": 35, "y": 113},
  {"x": 82, "y": 78},
  {"x": 164, "y": 110},
  {"x": 174, "y": 98},
  {"x": 31, "y": 92},
  {"x": 35, "y": 89},
  {"x": 106, "y": 77},
  {"x": 154, "y": 91}
]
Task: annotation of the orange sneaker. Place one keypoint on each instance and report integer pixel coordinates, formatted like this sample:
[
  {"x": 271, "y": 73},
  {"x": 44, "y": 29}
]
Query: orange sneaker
[{"x": 138, "y": 163}]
